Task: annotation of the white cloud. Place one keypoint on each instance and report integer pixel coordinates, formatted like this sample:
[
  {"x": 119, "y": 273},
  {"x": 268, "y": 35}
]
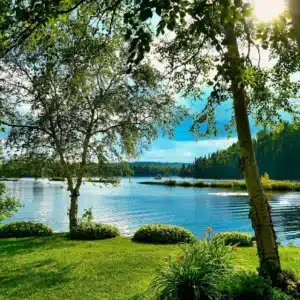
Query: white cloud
[{"x": 184, "y": 151}]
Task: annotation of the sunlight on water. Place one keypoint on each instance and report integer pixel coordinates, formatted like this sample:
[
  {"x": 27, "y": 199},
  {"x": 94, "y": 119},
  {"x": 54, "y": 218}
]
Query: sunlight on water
[
  {"x": 226, "y": 194},
  {"x": 131, "y": 205}
]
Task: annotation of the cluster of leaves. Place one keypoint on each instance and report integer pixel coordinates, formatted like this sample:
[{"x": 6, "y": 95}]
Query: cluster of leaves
[
  {"x": 25, "y": 229},
  {"x": 8, "y": 205},
  {"x": 234, "y": 238},
  {"x": 163, "y": 234},
  {"x": 194, "y": 274}
]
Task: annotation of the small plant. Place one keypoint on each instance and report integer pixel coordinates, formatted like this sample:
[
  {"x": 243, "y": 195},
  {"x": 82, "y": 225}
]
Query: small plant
[
  {"x": 163, "y": 234},
  {"x": 265, "y": 177},
  {"x": 25, "y": 229},
  {"x": 87, "y": 229},
  {"x": 87, "y": 216},
  {"x": 235, "y": 238},
  {"x": 94, "y": 231},
  {"x": 194, "y": 274}
]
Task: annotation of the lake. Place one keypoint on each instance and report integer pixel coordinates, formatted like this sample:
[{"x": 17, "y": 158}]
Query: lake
[{"x": 131, "y": 205}]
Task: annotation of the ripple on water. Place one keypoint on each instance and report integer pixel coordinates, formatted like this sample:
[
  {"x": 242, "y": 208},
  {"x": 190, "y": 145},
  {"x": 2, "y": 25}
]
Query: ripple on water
[{"x": 131, "y": 205}]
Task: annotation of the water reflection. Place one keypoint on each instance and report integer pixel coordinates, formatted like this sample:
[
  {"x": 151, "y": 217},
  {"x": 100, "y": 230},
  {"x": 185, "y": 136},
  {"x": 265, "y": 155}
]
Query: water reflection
[{"x": 130, "y": 205}]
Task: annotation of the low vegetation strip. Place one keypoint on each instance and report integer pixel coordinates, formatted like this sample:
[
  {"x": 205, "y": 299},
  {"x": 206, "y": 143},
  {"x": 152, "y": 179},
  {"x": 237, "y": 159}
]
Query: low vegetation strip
[
  {"x": 274, "y": 185},
  {"x": 58, "y": 268}
]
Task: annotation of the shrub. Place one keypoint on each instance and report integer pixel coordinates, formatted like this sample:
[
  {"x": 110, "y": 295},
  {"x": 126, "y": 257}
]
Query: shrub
[
  {"x": 234, "y": 238},
  {"x": 163, "y": 234},
  {"x": 25, "y": 229},
  {"x": 290, "y": 274},
  {"x": 94, "y": 231},
  {"x": 277, "y": 294},
  {"x": 195, "y": 274},
  {"x": 243, "y": 285}
]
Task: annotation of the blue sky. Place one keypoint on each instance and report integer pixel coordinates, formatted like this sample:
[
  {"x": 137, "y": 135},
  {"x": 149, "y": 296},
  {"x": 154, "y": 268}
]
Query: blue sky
[{"x": 184, "y": 147}]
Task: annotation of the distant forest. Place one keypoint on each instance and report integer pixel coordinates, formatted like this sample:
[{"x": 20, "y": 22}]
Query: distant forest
[
  {"x": 41, "y": 168},
  {"x": 277, "y": 153}
]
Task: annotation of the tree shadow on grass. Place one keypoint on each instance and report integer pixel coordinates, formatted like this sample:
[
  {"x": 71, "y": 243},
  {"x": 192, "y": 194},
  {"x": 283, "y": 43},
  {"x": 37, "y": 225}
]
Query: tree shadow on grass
[
  {"x": 23, "y": 281},
  {"x": 12, "y": 247}
]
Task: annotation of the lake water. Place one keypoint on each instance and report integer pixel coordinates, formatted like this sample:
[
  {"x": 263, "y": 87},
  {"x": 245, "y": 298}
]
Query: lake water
[{"x": 131, "y": 205}]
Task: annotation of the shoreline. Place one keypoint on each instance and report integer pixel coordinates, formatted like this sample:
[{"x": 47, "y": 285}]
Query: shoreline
[{"x": 268, "y": 185}]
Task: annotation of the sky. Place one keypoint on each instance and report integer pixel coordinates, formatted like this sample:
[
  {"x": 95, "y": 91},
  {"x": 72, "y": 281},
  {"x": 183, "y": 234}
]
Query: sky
[{"x": 184, "y": 147}]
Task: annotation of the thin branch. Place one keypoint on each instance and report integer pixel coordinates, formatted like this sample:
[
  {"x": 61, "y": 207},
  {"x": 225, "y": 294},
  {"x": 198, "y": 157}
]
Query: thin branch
[
  {"x": 19, "y": 125},
  {"x": 61, "y": 12}
]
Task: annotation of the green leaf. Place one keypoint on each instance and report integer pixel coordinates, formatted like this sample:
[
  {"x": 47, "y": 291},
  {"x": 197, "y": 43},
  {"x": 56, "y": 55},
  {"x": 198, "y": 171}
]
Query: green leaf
[{"x": 145, "y": 14}]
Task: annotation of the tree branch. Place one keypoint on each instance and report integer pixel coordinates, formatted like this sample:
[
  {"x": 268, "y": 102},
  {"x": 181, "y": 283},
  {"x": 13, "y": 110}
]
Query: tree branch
[{"x": 19, "y": 125}]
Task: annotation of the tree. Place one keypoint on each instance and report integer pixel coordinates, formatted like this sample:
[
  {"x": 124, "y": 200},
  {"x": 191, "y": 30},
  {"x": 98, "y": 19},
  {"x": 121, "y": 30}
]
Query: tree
[
  {"x": 294, "y": 8},
  {"x": 84, "y": 107},
  {"x": 208, "y": 49},
  {"x": 8, "y": 205}
]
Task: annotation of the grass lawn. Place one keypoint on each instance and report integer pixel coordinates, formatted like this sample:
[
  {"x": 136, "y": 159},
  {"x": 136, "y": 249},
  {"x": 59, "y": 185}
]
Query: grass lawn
[{"x": 116, "y": 269}]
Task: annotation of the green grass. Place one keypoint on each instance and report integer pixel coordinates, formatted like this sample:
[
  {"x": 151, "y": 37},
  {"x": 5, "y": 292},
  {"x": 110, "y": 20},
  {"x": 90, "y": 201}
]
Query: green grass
[
  {"x": 116, "y": 269},
  {"x": 269, "y": 185}
]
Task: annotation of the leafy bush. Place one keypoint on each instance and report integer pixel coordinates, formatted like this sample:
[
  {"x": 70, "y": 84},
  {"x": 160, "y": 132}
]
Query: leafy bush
[
  {"x": 234, "y": 238},
  {"x": 94, "y": 231},
  {"x": 8, "y": 205},
  {"x": 163, "y": 234},
  {"x": 290, "y": 274},
  {"x": 277, "y": 294},
  {"x": 243, "y": 285},
  {"x": 195, "y": 274},
  {"x": 25, "y": 229}
]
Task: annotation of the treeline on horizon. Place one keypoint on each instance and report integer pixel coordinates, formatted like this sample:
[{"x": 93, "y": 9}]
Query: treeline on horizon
[
  {"x": 18, "y": 167},
  {"x": 277, "y": 154}
]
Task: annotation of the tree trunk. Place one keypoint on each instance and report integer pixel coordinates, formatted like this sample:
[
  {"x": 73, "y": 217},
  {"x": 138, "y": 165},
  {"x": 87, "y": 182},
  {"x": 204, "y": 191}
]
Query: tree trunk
[
  {"x": 294, "y": 7},
  {"x": 260, "y": 213},
  {"x": 73, "y": 211}
]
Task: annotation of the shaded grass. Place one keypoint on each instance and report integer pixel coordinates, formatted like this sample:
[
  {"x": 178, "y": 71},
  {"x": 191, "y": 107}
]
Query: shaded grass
[
  {"x": 269, "y": 185},
  {"x": 117, "y": 269}
]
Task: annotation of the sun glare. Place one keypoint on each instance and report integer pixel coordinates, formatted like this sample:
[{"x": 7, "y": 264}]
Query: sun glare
[{"x": 267, "y": 10}]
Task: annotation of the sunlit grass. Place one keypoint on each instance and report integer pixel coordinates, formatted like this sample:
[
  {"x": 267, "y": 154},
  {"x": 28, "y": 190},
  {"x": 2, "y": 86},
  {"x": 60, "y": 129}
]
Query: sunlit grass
[{"x": 117, "y": 269}]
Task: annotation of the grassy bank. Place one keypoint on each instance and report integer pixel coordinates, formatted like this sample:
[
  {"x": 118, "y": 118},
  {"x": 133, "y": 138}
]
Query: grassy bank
[
  {"x": 116, "y": 269},
  {"x": 270, "y": 185}
]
